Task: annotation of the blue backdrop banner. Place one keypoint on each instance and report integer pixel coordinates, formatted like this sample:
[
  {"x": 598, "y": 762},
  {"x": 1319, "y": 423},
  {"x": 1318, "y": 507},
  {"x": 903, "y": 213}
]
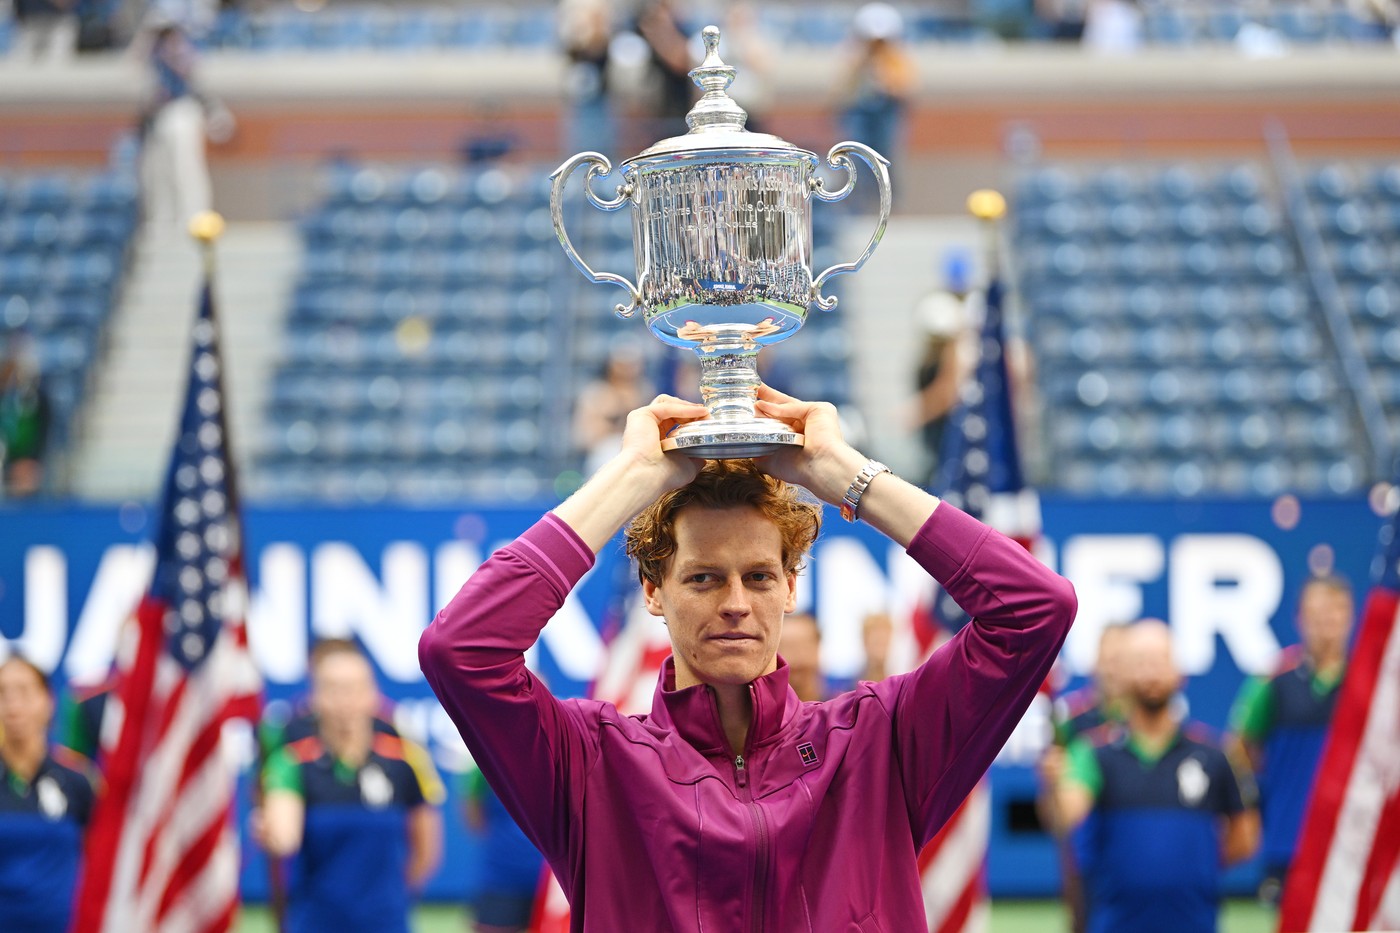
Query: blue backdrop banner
[{"x": 1224, "y": 574}]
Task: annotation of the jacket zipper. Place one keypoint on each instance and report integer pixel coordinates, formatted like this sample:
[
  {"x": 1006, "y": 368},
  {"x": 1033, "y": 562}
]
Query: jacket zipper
[{"x": 741, "y": 777}]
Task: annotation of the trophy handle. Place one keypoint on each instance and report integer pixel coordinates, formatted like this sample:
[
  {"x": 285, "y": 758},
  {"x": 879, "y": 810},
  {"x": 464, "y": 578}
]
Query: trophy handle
[
  {"x": 839, "y": 157},
  {"x": 598, "y": 165}
]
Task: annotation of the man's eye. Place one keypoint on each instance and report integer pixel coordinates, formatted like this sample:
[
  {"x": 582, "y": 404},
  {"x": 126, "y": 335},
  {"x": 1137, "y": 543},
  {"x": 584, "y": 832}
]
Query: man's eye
[{"x": 701, "y": 577}]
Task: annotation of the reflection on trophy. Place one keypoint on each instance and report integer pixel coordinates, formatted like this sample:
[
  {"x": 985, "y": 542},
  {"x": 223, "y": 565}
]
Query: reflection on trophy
[{"x": 722, "y": 230}]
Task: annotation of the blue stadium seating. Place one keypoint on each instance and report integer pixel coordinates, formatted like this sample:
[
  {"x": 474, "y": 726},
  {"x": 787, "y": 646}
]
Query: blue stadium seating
[
  {"x": 1178, "y": 345},
  {"x": 437, "y": 336},
  {"x": 64, "y": 241}
]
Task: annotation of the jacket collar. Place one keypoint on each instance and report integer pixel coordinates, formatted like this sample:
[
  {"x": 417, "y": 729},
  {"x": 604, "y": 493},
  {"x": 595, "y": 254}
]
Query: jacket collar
[{"x": 693, "y": 714}]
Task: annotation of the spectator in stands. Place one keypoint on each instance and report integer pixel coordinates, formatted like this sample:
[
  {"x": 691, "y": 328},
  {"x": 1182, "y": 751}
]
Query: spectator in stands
[
  {"x": 878, "y": 82},
  {"x": 600, "y": 411},
  {"x": 357, "y": 807},
  {"x": 174, "y": 171},
  {"x": 511, "y": 868},
  {"x": 586, "y": 30},
  {"x": 1155, "y": 806},
  {"x": 800, "y": 646},
  {"x": 1061, "y": 20},
  {"x": 1113, "y": 27},
  {"x": 660, "y": 27},
  {"x": 1280, "y": 722},
  {"x": 24, "y": 421},
  {"x": 943, "y": 315},
  {"x": 48, "y": 30},
  {"x": 46, "y": 799}
]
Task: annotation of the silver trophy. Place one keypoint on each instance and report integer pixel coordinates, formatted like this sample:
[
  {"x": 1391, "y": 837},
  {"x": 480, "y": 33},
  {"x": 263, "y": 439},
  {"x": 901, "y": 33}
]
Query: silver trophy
[{"x": 722, "y": 231}]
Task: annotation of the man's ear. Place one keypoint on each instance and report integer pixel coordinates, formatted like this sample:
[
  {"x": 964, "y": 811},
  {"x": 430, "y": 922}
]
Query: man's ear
[
  {"x": 650, "y": 592},
  {"x": 791, "y": 605}
]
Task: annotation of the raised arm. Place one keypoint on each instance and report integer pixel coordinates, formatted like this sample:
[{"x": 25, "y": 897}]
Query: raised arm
[{"x": 531, "y": 747}]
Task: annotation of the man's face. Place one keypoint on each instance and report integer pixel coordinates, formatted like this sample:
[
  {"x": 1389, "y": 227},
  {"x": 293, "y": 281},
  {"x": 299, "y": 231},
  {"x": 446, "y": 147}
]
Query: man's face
[
  {"x": 1324, "y": 619},
  {"x": 800, "y": 644},
  {"x": 343, "y": 694},
  {"x": 1153, "y": 677},
  {"x": 1110, "y": 670},
  {"x": 723, "y": 596},
  {"x": 25, "y": 705}
]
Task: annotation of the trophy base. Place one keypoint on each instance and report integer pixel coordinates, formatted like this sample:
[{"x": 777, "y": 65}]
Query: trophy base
[{"x": 732, "y": 440}]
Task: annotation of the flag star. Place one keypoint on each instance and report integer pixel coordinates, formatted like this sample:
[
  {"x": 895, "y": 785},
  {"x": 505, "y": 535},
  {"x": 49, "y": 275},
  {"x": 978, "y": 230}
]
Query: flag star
[
  {"x": 203, "y": 333},
  {"x": 206, "y": 367},
  {"x": 213, "y": 503},
  {"x": 191, "y": 612},
  {"x": 211, "y": 470},
  {"x": 171, "y": 622},
  {"x": 186, "y": 478},
  {"x": 208, "y": 402},
  {"x": 192, "y": 646},
  {"x": 216, "y": 570},
  {"x": 188, "y": 545},
  {"x": 191, "y": 580},
  {"x": 187, "y": 512},
  {"x": 216, "y": 605},
  {"x": 977, "y": 462},
  {"x": 216, "y": 537},
  {"x": 210, "y": 436},
  {"x": 975, "y": 427}
]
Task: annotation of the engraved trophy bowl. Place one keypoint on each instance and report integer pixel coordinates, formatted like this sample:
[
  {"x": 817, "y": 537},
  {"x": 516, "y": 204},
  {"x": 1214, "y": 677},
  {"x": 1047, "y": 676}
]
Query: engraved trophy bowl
[{"x": 722, "y": 234}]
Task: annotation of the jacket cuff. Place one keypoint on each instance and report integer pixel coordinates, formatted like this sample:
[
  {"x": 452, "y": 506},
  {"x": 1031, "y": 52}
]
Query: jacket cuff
[
  {"x": 946, "y": 541},
  {"x": 555, "y": 551}
]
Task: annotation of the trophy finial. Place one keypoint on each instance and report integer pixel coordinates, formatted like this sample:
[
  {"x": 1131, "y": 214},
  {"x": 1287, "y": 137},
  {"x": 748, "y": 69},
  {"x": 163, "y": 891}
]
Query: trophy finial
[{"x": 716, "y": 109}]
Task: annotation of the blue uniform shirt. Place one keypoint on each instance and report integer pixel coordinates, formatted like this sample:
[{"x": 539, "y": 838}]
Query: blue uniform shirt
[
  {"x": 1150, "y": 851},
  {"x": 41, "y": 841},
  {"x": 350, "y": 874}
]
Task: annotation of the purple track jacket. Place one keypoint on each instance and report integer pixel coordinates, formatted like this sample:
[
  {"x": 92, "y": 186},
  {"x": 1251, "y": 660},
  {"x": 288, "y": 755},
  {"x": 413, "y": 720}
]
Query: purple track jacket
[{"x": 648, "y": 821}]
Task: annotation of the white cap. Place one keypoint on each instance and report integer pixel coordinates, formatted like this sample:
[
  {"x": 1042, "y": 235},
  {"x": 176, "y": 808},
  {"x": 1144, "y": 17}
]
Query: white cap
[{"x": 878, "y": 21}]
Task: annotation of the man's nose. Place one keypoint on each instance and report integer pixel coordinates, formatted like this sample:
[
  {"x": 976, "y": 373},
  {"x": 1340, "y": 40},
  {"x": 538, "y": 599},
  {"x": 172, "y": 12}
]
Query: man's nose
[{"x": 736, "y": 597}]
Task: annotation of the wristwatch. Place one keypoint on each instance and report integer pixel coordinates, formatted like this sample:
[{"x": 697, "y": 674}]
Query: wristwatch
[{"x": 850, "y": 502}]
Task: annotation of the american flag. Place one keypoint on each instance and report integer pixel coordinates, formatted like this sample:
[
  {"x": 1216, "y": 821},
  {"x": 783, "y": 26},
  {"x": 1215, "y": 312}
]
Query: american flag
[
  {"x": 979, "y": 472},
  {"x": 1346, "y": 874},
  {"x": 161, "y": 853}
]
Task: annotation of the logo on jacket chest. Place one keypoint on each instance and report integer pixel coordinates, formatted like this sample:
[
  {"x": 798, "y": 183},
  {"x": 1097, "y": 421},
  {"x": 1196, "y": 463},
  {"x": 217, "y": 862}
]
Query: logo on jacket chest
[{"x": 808, "y": 753}]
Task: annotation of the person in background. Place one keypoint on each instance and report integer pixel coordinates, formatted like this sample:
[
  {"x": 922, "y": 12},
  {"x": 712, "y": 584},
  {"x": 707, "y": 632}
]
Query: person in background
[
  {"x": 660, "y": 27},
  {"x": 800, "y": 646},
  {"x": 944, "y": 316},
  {"x": 586, "y": 32},
  {"x": 355, "y": 807},
  {"x": 1279, "y": 722},
  {"x": 48, "y": 30},
  {"x": 600, "y": 411},
  {"x": 174, "y": 170},
  {"x": 24, "y": 421},
  {"x": 46, "y": 800},
  {"x": 1101, "y": 702},
  {"x": 878, "y": 82},
  {"x": 511, "y": 866},
  {"x": 1154, "y": 805}
]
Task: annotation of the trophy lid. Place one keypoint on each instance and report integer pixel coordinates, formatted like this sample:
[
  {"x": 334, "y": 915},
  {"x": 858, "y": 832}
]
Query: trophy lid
[{"x": 716, "y": 121}]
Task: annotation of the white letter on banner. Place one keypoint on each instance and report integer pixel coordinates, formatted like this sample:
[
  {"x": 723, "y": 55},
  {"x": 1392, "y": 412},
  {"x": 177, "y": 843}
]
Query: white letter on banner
[
  {"x": 573, "y": 640},
  {"x": 347, "y": 600},
  {"x": 1231, "y": 584},
  {"x": 1107, "y": 572},
  {"x": 122, "y": 577},
  {"x": 277, "y": 614},
  {"x": 45, "y": 608}
]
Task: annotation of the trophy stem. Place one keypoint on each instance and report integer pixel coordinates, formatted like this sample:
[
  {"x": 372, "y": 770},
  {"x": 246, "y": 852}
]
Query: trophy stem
[
  {"x": 729, "y": 387},
  {"x": 729, "y": 383}
]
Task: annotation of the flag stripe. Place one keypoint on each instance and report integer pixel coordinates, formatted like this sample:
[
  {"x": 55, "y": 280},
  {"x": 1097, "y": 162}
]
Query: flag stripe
[
  {"x": 1380, "y": 866},
  {"x": 1355, "y": 787}
]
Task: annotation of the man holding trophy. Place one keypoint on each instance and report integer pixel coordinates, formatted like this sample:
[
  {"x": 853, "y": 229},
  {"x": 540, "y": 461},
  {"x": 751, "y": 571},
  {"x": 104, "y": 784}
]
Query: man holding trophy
[{"x": 734, "y": 805}]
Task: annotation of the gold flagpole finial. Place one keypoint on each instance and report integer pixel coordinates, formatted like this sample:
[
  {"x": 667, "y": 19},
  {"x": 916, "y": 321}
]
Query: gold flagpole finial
[
  {"x": 986, "y": 204},
  {"x": 207, "y": 226}
]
